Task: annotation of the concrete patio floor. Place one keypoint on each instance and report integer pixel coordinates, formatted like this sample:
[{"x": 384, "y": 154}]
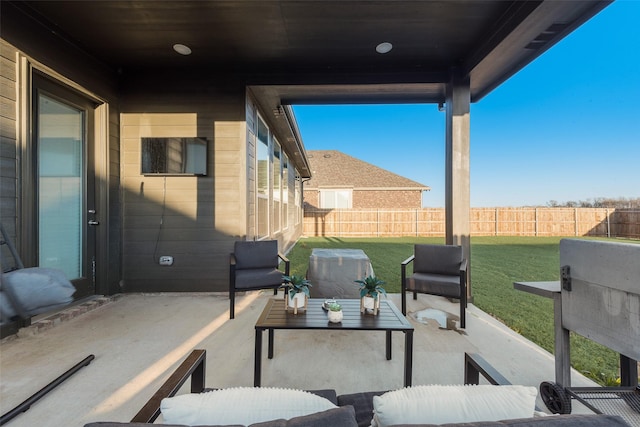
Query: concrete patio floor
[{"x": 138, "y": 340}]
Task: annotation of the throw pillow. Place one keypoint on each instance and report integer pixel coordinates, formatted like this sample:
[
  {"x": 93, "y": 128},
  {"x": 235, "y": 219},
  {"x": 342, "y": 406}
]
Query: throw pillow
[
  {"x": 36, "y": 290},
  {"x": 241, "y": 405},
  {"x": 440, "y": 404}
]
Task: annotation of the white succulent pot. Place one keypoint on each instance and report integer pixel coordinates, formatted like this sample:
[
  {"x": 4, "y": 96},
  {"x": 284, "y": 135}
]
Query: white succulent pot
[
  {"x": 298, "y": 300},
  {"x": 335, "y": 316}
]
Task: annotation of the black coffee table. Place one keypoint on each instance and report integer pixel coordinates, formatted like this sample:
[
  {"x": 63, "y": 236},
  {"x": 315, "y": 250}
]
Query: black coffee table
[{"x": 389, "y": 319}]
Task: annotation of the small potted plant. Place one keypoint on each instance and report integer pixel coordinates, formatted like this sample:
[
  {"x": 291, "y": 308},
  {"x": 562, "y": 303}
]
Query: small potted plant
[
  {"x": 334, "y": 312},
  {"x": 370, "y": 289},
  {"x": 296, "y": 291}
]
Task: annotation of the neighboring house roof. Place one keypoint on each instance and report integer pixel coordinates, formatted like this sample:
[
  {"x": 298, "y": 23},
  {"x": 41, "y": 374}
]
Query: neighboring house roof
[{"x": 334, "y": 169}]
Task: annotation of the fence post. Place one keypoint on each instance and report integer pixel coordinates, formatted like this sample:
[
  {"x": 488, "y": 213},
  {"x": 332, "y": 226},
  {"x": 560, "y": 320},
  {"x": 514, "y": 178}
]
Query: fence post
[
  {"x": 575, "y": 220},
  {"x": 496, "y": 223},
  {"x": 536, "y": 222},
  {"x": 608, "y": 224}
]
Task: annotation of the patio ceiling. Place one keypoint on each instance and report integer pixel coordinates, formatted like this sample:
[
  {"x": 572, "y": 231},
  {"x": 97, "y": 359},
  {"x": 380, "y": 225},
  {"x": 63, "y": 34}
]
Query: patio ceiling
[{"x": 315, "y": 51}]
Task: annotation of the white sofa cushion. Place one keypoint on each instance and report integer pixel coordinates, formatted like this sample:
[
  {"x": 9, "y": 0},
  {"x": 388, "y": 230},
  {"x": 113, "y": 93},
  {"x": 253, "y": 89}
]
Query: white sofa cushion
[
  {"x": 241, "y": 405},
  {"x": 439, "y": 404}
]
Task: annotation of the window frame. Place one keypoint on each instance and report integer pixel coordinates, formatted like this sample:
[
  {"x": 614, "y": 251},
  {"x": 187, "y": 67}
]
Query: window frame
[{"x": 263, "y": 194}]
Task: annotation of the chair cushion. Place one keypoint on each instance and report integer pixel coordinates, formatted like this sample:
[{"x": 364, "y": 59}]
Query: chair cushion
[
  {"x": 328, "y": 393},
  {"x": 435, "y": 284},
  {"x": 258, "y": 278},
  {"x": 250, "y": 254},
  {"x": 337, "y": 417},
  {"x": 363, "y": 404},
  {"x": 437, "y": 259},
  {"x": 125, "y": 424},
  {"x": 572, "y": 420}
]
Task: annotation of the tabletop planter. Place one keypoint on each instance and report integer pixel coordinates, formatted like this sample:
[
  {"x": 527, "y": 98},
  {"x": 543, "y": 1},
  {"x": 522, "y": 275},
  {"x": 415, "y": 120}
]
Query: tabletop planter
[
  {"x": 296, "y": 292},
  {"x": 334, "y": 312},
  {"x": 370, "y": 289}
]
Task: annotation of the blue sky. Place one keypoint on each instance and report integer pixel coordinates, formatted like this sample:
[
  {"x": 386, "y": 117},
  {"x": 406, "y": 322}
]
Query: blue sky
[{"x": 566, "y": 127}]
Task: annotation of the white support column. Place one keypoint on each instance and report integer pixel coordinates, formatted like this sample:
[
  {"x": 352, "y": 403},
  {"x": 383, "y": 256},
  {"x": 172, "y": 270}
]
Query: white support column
[{"x": 457, "y": 191}]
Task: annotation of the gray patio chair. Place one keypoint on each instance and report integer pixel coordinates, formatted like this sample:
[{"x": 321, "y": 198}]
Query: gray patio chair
[
  {"x": 253, "y": 266},
  {"x": 437, "y": 270}
]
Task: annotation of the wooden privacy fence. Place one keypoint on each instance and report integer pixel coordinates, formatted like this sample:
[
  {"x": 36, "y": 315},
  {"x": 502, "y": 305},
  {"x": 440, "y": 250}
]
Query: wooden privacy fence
[{"x": 483, "y": 222}]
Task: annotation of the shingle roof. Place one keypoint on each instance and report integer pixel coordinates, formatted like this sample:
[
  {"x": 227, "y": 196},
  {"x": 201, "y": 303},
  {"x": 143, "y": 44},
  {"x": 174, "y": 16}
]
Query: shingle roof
[{"x": 331, "y": 169}]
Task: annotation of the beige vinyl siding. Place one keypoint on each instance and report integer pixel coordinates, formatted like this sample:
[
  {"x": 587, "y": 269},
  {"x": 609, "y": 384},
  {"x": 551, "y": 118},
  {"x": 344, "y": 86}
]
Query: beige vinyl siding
[
  {"x": 114, "y": 203},
  {"x": 230, "y": 179},
  {"x": 194, "y": 219},
  {"x": 8, "y": 141},
  {"x": 201, "y": 216}
]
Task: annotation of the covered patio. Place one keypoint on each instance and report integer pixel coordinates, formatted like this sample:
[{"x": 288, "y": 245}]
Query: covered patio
[
  {"x": 139, "y": 339},
  {"x": 228, "y": 73},
  {"x": 250, "y": 62}
]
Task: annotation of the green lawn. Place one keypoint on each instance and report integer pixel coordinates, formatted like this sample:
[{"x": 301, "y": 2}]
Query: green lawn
[{"x": 496, "y": 263}]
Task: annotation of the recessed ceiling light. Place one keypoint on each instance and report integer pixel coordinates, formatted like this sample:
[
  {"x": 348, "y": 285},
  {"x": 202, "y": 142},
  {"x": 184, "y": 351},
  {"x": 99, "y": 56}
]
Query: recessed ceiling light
[
  {"x": 384, "y": 47},
  {"x": 182, "y": 49}
]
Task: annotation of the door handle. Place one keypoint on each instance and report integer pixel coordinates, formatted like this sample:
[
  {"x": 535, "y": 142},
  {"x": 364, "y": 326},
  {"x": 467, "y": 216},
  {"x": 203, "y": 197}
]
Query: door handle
[{"x": 93, "y": 222}]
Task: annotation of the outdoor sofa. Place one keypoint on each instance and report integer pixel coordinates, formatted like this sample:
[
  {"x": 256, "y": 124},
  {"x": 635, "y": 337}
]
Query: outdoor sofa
[{"x": 350, "y": 410}]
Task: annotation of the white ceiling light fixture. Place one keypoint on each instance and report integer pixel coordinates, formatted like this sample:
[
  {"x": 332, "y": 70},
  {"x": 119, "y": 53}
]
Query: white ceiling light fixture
[
  {"x": 384, "y": 47},
  {"x": 182, "y": 49}
]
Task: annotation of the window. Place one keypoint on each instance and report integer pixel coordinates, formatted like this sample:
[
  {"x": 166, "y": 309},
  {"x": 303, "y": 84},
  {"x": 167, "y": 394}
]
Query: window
[
  {"x": 262, "y": 171},
  {"x": 335, "y": 199},
  {"x": 61, "y": 176},
  {"x": 285, "y": 191},
  {"x": 61, "y": 197},
  {"x": 277, "y": 187},
  {"x": 298, "y": 197}
]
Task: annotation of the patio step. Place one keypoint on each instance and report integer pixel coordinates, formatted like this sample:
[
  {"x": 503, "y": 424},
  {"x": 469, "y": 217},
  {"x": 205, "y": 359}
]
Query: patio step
[{"x": 47, "y": 321}]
